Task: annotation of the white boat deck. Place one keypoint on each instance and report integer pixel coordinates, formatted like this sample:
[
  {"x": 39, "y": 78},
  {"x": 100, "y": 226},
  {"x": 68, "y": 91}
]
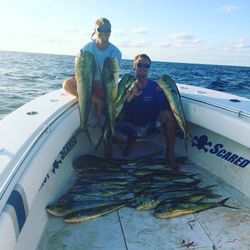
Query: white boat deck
[{"x": 216, "y": 228}]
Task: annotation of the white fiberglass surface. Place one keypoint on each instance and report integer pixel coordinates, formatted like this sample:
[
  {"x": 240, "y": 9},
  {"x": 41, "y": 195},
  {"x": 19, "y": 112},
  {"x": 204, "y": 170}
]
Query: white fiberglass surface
[{"x": 217, "y": 228}]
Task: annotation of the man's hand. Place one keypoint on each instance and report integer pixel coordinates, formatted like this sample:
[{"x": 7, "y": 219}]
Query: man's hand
[
  {"x": 158, "y": 89},
  {"x": 137, "y": 91}
]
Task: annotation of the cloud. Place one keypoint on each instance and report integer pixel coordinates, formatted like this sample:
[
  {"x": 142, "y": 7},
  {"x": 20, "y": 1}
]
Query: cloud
[
  {"x": 229, "y": 8},
  {"x": 166, "y": 45},
  {"x": 238, "y": 45},
  {"x": 134, "y": 31},
  {"x": 139, "y": 31},
  {"x": 134, "y": 44},
  {"x": 183, "y": 40},
  {"x": 120, "y": 32},
  {"x": 72, "y": 30}
]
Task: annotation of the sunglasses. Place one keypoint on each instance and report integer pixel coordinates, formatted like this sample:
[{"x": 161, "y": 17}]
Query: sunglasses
[
  {"x": 103, "y": 30},
  {"x": 143, "y": 65}
]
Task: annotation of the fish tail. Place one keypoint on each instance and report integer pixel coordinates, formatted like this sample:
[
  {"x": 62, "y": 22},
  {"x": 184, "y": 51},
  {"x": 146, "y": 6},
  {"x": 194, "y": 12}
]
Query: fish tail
[
  {"x": 222, "y": 203},
  {"x": 208, "y": 187},
  {"x": 77, "y": 132},
  {"x": 212, "y": 195},
  {"x": 86, "y": 131},
  {"x": 146, "y": 159},
  {"x": 196, "y": 182},
  {"x": 99, "y": 142},
  {"x": 192, "y": 175},
  {"x": 129, "y": 202},
  {"x": 186, "y": 146},
  {"x": 108, "y": 142},
  {"x": 89, "y": 136},
  {"x": 102, "y": 137}
]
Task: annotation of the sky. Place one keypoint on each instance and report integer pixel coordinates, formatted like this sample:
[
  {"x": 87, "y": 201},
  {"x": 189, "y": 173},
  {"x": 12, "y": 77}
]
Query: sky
[{"x": 188, "y": 31}]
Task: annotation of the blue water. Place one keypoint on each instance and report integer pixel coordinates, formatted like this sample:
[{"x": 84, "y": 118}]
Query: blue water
[{"x": 24, "y": 76}]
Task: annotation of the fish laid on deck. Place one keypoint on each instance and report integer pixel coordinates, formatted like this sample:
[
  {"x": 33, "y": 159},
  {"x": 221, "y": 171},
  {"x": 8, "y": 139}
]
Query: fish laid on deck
[
  {"x": 170, "y": 210},
  {"x": 89, "y": 214},
  {"x": 109, "y": 185}
]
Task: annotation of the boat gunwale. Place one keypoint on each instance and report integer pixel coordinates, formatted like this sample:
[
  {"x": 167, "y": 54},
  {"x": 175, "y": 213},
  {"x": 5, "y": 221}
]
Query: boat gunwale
[
  {"x": 7, "y": 181},
  {"x": 240, "y": 114}
]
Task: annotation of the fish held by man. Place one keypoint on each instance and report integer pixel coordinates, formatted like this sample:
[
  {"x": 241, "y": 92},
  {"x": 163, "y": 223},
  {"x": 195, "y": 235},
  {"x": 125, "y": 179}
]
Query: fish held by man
[
  {"x": 84, "y": 72},
  {"x": 172, "y": 93},
  {"x": 123, "y": 85},
  {"x": 110, "y": 78}
]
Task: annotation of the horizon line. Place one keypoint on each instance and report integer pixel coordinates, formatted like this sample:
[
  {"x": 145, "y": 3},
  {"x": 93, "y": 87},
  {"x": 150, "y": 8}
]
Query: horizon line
[{"x": 177, "y": 62}]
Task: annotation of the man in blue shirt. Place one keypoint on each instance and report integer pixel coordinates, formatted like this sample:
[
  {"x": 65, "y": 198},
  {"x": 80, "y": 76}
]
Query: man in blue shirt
[{"x": 144, "y": 106}]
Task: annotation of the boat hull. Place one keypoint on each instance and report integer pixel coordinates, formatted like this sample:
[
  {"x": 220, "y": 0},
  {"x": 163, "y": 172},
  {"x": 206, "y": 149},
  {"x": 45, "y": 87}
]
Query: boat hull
[{"x": 38, "y": 168}]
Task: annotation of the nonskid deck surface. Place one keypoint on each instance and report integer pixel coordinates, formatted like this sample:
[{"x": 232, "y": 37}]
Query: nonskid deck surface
[{"x": 217, "y": 228}]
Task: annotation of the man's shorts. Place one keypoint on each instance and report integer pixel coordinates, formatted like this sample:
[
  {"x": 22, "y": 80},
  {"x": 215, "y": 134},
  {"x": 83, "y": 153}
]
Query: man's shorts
[
  {"x": 98, "y": 90},
  {"x": 125, "y": 130}
]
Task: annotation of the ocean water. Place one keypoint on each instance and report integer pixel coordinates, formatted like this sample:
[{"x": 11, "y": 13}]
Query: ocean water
[{"x": 24, "y": 76}]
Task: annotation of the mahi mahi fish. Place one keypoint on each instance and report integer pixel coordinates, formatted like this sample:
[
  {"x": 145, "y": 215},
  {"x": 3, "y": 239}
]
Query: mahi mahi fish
[
  {"x": 62, "y": 209},
  {"x": 171, "y": 210},
  {"x": 88, "y": 214},
  {"x": 84, "y": 72},
  {"x": 171, "y": 91},
  {"x": 147, "y": 203},
  {"x": 125, "y": 86},
  {"x": 110, "y": 78}
]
